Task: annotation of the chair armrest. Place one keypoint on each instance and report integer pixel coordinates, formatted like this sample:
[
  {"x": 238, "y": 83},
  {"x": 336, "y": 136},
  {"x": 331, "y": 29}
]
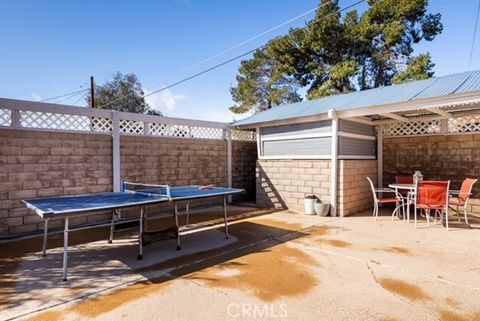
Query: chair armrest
[
  {"x": 388, "y": 190},
  {"x": 384, "y": 190}
]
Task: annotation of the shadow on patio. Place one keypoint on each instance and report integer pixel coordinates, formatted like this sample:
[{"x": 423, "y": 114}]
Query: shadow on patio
[{"x": 31, "y": 282}]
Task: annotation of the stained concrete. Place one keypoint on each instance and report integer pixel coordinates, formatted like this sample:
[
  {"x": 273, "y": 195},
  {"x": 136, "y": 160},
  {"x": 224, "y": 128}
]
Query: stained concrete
[{"x": 277, "y": 265}]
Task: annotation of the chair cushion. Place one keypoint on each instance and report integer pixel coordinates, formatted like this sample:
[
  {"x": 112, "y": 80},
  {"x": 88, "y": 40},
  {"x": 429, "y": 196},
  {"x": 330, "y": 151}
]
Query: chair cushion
[
  {"x": 456, "y": 203},
  {"x": 432, "y": 207},
  {"x": 389, "y": 200}
]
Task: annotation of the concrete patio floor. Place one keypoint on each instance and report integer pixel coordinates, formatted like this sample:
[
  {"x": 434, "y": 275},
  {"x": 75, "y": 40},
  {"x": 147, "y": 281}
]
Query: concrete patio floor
[{"x": 276, "y": 265}]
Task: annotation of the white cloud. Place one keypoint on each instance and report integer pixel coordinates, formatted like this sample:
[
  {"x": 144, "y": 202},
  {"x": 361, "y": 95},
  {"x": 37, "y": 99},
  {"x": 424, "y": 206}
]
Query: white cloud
[
  {"x": 36, "y": 97},
  {"x": 163, "y": 100}
]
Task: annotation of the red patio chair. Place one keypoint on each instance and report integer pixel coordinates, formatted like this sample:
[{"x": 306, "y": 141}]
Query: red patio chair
[
  {"x": 404, "y": 179},
  {"x": 463, "y": 197},
  {"x": 385, "y": 200},
  {"x": 432, "y": 195}
]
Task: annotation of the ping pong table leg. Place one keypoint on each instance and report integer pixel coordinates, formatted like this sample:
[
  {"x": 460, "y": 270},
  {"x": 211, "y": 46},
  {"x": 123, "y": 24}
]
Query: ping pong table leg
[
  {"x": 225, "y": 215},
  {"x": 140, "y": 235},
  {"x": 45, "y": 233},
  {"x": 112, "y": 227},
  {"x": 187, "y": 209},
  {"x": 65, "y": 249},
  {"x": 175, "y": 214}
]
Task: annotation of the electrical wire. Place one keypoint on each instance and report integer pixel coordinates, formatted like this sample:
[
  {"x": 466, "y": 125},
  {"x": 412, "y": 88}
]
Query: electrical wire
[
  {"x": 217, "y": 65},
  {"x": 218, "y": 54},
  {"x": 69, "y": 97},
  {"x": 474, "y": 36},
  {"x": 82, "y": 96},
  {"x": 64, "y": 95}
]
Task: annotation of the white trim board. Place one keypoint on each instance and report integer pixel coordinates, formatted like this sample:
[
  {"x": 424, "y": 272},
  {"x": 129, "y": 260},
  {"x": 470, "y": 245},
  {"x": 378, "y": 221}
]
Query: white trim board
[
  {"x": 358, "y": 136},
  {"x": 296, "y": 157},
  {"x": 359, "y": 157},
  {"x": 300, "y": 136}
]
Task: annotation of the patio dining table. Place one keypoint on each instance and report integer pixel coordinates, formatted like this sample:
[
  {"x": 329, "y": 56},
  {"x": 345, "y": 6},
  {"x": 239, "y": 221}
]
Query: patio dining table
[{"x": 411, "y": 188}]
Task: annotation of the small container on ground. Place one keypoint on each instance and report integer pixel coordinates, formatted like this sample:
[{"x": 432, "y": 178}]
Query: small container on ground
[
  {"x": 321, "y": 209},
  {"x": 310, "y": 204}
]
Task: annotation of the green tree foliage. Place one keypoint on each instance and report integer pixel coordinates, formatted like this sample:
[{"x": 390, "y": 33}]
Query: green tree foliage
[
  {"x": 336, "y": 54},
  {"x": 123, "y": 93},
  {"x": 262, "y": 84},
  {"x": 418, "y": 68}
]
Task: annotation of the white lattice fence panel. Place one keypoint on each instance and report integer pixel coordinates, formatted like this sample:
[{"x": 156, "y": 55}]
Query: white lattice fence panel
[
  {"x": 206, "y": 132},
  {"x": 413, "y": 128},
  {"x": 169, "y": 130},
  {"x": 464, "y": 124},
  {"x": 101, "y": 125},
  {"x": 131, "y": 127},
  {"x": 158, "y": 129},
  {"x": 44, "y": 120},
  {"x": 5, "y": 117},
  {"x": 245, "y": 135}
]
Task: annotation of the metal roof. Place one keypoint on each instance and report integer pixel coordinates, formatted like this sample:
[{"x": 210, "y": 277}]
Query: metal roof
[{"x": 459, "y": 83}]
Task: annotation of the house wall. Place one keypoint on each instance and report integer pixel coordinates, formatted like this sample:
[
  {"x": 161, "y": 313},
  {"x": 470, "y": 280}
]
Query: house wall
[
  {"x": 284, "y": 183},
  {"x": 452, "y": 157},
  {"x": 43, "y": 164},
  {"x": 354, "y": 193}
]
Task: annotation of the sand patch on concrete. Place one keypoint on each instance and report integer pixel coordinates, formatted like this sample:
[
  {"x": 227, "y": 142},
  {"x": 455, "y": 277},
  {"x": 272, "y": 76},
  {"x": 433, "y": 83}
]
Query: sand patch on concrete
[
  {"x": 96, "y": 306},
  {"x": 446, "y": 315},
  {"x": 453, "y": 302},
  {"x": 336, "y": 243},
  {"x": 404, "y": 289},
  {"x": 269, "y": 275},
  {"x": 396, "y": 249}
]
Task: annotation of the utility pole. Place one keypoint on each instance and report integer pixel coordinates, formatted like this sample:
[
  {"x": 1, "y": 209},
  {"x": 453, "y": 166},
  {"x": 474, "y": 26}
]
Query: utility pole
[{"x": 92, "y": 92}]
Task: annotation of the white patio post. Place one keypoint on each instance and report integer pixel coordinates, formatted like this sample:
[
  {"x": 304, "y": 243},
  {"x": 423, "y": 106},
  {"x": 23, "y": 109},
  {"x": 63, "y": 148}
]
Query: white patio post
[
  {"x": 229, "y": 159},
  {"x": 259, "y": 150},
  {"x": 116, "y": 151},
  {"x": 380, "y": 156},
  {"x": 334, "y": 163}
]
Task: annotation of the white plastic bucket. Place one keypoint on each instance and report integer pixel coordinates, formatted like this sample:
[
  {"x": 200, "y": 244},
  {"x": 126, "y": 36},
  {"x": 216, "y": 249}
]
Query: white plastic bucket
[{"x": 309, "y": 206}]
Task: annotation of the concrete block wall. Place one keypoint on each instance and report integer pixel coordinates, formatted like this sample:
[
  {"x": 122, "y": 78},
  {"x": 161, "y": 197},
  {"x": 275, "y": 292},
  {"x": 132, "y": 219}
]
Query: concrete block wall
[
  {"x": 452, "y": 157},
  {"x": 43, "y": 164},
  {"x": 244, "y": 155},
  {"x": 284, "y": 183},
  {"x": 354, "y": 193},
  {"x": 173, "y": 161}
]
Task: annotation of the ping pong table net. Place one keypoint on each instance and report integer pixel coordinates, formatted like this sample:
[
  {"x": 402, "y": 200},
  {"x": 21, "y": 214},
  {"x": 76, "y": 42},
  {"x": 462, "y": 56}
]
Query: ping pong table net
[{"x": 154, "y": 190}]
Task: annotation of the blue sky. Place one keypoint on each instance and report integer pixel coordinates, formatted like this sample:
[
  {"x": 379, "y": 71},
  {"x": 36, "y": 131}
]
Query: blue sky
[{"x": 49, "y": 48}]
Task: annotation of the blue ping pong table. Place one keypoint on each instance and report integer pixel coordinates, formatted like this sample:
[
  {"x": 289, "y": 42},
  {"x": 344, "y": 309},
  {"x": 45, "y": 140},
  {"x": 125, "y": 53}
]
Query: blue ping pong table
[{"x": 66, "y": 207}]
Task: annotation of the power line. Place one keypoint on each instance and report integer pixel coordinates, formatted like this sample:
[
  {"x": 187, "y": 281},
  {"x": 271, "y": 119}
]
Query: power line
[
  {"x": 67, "y": 97},
  {"x": 64, "y": 95},
  {"x": 474, "y": 36},
  {"x": 220, "y": 64},
  {"x": 218, "y": 54},
  {"x": 82, "y": 96}
]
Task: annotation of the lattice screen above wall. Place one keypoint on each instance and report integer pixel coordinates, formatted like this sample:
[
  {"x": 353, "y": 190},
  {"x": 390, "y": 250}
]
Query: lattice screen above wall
[
  {"x": 464, "y": 124},
  {"x": 5, "y": 117},
  {"x": 413, "y": 128},
  {"x": 49, "y": 117}
]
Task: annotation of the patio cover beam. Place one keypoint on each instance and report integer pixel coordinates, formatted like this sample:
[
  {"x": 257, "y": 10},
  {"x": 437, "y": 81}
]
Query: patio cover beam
[
  {"x": 361, "y": 120},
  {"x": 396, "y": 117},
  {"x": 440, "y": 112},
  {"x": 438, "y": 102}
]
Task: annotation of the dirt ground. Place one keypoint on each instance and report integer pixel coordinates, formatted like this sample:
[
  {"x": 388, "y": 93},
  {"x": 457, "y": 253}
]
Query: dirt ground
[{"x": 276, "y": 265}]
